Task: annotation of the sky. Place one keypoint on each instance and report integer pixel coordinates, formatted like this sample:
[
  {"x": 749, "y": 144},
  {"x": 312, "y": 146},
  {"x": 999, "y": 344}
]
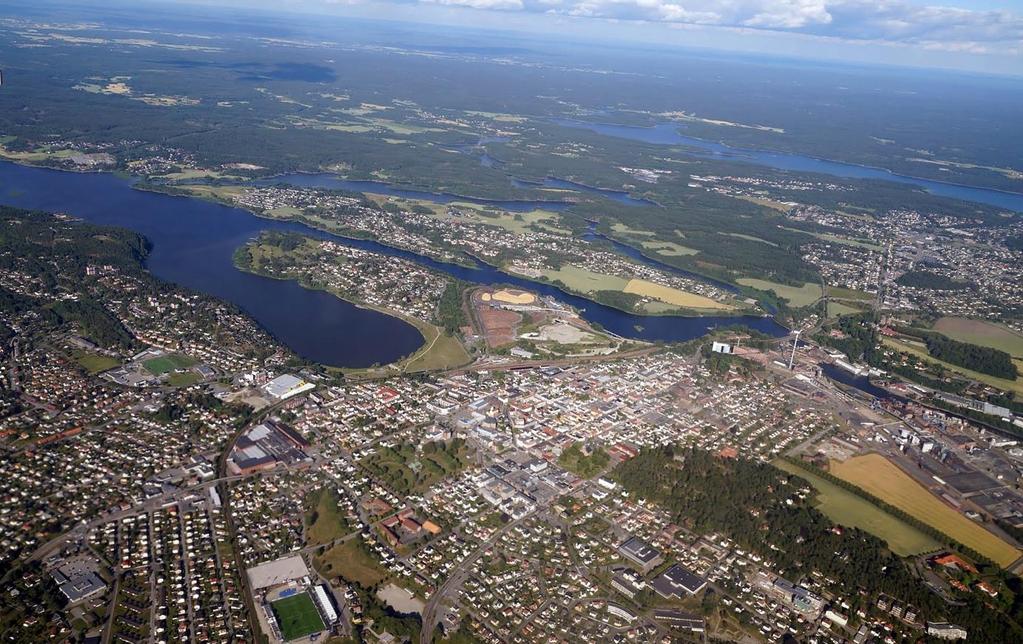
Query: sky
[{"x": 980, "y": 35}]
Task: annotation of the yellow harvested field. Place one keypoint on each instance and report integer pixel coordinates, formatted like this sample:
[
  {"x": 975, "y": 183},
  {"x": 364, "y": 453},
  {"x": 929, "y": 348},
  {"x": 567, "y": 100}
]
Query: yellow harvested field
[
  {"x": 512, "y": 297},
  {"x": 880, "y": 477},
  {"x": 672, "y": 295}
]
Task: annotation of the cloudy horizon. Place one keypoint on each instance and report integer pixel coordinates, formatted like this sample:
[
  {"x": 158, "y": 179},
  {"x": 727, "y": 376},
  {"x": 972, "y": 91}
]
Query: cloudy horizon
[{"x": 982, "y": 35}]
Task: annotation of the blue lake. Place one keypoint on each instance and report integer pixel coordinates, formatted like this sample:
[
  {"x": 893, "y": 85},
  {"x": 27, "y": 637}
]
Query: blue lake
[
  {"x": 193, "y": 242},
  {"x": 668, "y": 134}
]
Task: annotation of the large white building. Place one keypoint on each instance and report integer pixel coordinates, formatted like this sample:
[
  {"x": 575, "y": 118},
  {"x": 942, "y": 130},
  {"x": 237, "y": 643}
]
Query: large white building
[
  {"x": 286, "y": 386},
  {"x": 279, "y": 571}
]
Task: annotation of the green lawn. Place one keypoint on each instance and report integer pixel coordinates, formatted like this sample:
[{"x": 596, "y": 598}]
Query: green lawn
[
  {"x": 836, "y": 309},
  {"x": 169, "y": 362},
  {"x": 848, "y": 293},
  {"x": 586, "y": 466},
  {"x": 94, "y": 362},
  {"x": 848, "y": 509},
  {"x": 324, "y": 520},
  {"x": 183, "y": 379},
  {"x": 297, "y": 616},
  {"x": 439, "y": 350},
  {"x": 353, "y": 561},
  {"x": 796, "y": 296}
]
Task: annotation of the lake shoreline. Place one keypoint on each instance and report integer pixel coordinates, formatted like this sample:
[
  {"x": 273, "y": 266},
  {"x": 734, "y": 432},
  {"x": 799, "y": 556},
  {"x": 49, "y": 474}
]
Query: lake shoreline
[{"x": 680, "y": 313}]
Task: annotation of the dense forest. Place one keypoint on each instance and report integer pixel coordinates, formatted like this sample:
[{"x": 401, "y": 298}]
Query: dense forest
[
  {"x": 450, "y": 312},
  {"x": 858, "y": 336},
  {"x": 971, "y": 356},
  {"x": 757, "y": 506},
  {"x": 296, "y": 120},
  {"x": 929, "y": 280},
  {"x": 832, "y": 112},
  {"x": 11, "y": 302},
  {"x": 993, "y": 362},
  {"x": 96, "y": 323}
]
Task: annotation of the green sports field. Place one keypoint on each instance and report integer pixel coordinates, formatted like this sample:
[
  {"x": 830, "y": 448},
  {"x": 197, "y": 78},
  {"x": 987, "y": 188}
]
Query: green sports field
[
  {"x": 297, "y": 616},
  {"x": 169, "y": 362}
]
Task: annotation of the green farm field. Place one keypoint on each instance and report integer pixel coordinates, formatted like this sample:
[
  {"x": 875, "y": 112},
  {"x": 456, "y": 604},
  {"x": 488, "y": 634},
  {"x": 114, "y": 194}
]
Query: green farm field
[
  {"x": 797, "y": 296},
  {"x": 880, "y": 477},
  {"x": 582, "y": 280},
  {"x": 848, "y": 509},
  {"x": 986, "y": 334}
]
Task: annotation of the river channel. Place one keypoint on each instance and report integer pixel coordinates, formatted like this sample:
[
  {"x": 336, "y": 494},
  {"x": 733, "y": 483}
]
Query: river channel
[{"x": 193, "y": 242}]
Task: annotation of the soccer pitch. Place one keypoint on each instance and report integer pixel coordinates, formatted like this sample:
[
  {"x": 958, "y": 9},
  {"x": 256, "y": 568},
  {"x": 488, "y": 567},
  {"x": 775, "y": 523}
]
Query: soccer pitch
[
  {"x": 297, "y": 616},
  {"x": 169, "y": 362}
]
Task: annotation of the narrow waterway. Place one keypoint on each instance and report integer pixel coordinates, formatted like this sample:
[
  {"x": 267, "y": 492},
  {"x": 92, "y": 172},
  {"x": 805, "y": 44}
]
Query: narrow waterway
[{"x": 333, "y": 182}]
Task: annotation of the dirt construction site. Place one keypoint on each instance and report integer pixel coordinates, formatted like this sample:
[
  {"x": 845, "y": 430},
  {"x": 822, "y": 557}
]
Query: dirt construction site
[{"x": 507, "y": 316}]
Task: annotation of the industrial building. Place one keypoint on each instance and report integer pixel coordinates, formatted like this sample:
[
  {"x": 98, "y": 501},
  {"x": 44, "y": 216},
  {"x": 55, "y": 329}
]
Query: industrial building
[
  {"x": 641, "y": 553},
  {"x": 286, "y": 386},
  {"x": 677, "y": 582},
  {"x": 264, "y": 446}
]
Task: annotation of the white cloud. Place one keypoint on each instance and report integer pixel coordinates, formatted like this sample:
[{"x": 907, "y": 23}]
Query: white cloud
[
  {"x": 791, "y": 14},
  {"x": 892, "y": 21},
  {"x": 495, "y": 5}
]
